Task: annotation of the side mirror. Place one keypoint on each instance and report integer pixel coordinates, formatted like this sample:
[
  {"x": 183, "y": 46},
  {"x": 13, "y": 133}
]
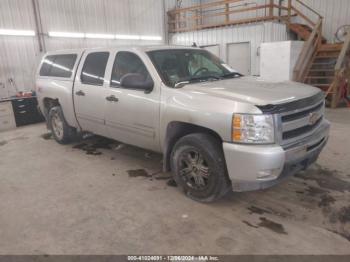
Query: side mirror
[{"x": 137, "y": 81}]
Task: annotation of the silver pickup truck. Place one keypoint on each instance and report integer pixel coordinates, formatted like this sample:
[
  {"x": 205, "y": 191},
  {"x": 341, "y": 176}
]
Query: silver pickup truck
[{"x": 218, "y": 130}]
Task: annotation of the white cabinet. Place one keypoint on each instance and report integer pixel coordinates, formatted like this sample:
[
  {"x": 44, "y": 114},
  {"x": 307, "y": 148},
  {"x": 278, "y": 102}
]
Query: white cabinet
[
  {"x": 3, "y": 90},
  {"x": 7, "y": 119},
  {"x": 277, "y": 60}
]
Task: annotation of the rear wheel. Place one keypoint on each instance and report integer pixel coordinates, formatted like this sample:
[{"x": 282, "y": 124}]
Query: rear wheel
[
  {"x": 198, "y": 167},
  {"x": 61, "y": 131}
]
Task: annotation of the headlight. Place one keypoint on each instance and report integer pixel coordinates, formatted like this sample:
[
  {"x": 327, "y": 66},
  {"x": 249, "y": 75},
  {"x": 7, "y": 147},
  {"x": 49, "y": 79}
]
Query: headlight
[{"x": 258, "y": 129}]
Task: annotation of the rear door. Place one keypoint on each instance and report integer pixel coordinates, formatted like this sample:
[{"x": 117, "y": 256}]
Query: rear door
[
  {"x": 55, "y": 78},
  {"x": 90, "y": 91}
]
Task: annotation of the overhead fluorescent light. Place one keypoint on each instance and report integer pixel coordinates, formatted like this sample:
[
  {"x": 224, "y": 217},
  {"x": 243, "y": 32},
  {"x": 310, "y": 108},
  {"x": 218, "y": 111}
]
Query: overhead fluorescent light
[
  {"x": 100, "y": 36},
  {"x": 104, "y": 36},
  {"x": 67, "y": 34},
  {"x": 150, "y": 37},
  {"x": 138, "y": 37},
  {"x": 128, "y": 37},
  {"x": 17, "y": 32}
]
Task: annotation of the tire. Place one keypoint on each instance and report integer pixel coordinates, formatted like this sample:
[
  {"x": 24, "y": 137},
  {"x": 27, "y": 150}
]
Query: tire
[
  {"x": 199, "y": 169},
  {"x": 61, "y": 131}
]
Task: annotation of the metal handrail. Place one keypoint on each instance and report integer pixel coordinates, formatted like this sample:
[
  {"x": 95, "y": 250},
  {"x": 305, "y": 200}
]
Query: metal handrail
[
  {"x": 201, "y": 6},
  {"x": 181, "y": 19},
  {"x": 241, "y": 10},
  {"x": 343, "y": 53},
  {"x": 311, "y": 9},
  {"x": 342, "y": 69},
  {"x": 192, "y": 17}
]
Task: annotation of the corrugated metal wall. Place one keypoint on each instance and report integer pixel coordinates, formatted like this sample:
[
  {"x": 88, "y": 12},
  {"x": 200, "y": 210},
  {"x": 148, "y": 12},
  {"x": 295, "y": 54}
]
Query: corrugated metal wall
[
  {"x": 171, "y": 4},
  {"x": 335, "y": 12},
  {"x": 20, "y": 55},
  {"x": 255, "y": 34},
  {"x": 238, "y": 16}
]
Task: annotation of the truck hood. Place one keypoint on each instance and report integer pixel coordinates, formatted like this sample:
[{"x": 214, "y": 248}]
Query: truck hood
[{"x": 253, "y": 90}]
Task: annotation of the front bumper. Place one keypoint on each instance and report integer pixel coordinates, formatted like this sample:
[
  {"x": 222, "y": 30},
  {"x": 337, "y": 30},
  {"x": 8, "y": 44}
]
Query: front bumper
[{"x": 248, "y": 165}]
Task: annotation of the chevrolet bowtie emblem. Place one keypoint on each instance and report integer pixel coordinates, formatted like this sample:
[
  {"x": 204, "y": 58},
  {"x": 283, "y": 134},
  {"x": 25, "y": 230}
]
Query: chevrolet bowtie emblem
[{"x": 313, "y": 117}]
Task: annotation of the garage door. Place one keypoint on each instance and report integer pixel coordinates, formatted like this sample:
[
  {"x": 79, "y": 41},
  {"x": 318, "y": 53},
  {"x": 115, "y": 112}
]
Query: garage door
[
  {"x": 238, "y": 57},
  {"x": 214, "y": 49}
]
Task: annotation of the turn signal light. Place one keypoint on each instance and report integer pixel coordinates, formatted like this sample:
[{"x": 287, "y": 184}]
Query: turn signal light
[{"x": 254, "y": 129}]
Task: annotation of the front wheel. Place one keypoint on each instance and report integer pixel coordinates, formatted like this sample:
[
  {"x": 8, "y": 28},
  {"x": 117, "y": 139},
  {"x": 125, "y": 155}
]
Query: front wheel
[
  {"x": 199, "y": 169},
  {"x": 61, "y": 131}
]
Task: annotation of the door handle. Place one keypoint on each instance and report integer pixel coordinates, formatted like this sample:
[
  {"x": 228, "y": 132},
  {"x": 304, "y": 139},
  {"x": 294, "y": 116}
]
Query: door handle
[
  {"x": 80, "y": 93},
  {"x": 112, "y": 98}
]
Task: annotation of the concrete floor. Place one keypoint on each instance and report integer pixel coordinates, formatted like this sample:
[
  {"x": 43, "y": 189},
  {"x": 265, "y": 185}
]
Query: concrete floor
[{"x": 70, "y": 200}]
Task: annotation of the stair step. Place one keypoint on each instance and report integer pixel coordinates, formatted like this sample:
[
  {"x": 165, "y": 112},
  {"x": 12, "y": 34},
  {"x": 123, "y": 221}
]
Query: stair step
[
  {"x": 329, "y": 67},
  {"x": 320, "y": 74},
  {"x": 316, "y": 66},
  {"x": 303, "y": 31},
  {"x": 320, "y": 77},
  {"x": 328, "y": 63},
  {"x": 330, "y": 47},
  {"x": 327, "y": 56},
  {"x": 321, "y": 70},
  {"x": 327, "y": 51}
]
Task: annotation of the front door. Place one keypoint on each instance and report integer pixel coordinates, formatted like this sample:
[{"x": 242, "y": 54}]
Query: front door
[
  {"x": 90, "y": 91},
  {"x": 132, "y": 114}
]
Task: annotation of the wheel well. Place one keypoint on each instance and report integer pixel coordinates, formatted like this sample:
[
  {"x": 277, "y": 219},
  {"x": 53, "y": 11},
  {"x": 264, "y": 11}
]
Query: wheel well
[
  {"x": 175, "y": 131},
  {"x": 49, "y": 103}
]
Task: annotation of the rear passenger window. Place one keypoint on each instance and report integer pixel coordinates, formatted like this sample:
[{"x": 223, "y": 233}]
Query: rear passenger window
[
  {"x": 58, "y": 65},
  {"x": 94, "y": 68}
]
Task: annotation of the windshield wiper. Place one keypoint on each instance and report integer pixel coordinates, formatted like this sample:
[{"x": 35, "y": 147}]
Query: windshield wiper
[
  {"x": 184, "y": 82},
  {"x": 179, "y": 84}
]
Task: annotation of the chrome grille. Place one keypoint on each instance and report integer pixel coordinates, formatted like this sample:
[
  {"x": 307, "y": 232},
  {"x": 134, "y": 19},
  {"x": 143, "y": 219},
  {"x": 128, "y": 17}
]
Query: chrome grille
[
  {"x": 299, "y": 123},
  {"x": 296, "y": 120},
  {"x": 301, "y": 130}
]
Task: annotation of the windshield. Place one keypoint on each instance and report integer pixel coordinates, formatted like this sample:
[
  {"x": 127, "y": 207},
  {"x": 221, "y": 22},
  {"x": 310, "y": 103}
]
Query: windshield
[{"x": 189, "y": 65}]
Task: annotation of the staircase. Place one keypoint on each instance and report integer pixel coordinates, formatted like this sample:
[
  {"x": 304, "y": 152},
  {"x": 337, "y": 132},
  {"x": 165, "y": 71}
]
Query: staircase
[
  {"x": 302, "y": 31},
  {"x": 322, "y": 67},
  {"x": 321, "y": 64}
]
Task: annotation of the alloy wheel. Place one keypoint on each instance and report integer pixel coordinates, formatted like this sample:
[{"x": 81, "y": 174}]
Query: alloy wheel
[{"x": 194, "y": 169}]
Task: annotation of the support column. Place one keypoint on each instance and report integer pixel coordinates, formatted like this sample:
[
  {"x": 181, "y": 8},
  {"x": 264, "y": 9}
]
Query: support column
[
  {"x": 227, "y": 9},
  {"x": 38, "y": 26},
  {"x": 271, "y": 8},
  {"x": 289, "y": 10}
]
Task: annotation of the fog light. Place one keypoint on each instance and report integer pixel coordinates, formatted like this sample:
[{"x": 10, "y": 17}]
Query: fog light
[{"x": 269, "y": 174}]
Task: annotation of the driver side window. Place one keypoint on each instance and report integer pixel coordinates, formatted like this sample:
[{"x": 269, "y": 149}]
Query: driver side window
[{"x": 127, "y": 63}]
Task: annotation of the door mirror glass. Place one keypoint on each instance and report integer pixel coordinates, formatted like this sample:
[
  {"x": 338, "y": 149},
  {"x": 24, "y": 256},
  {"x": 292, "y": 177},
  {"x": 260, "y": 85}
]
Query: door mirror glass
[{"x": 136, "y": 81}]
